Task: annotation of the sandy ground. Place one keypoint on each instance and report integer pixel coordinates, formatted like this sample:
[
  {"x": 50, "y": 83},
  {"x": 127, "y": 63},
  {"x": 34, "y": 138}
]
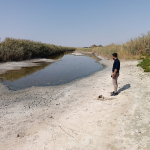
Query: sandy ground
[{"x": 69, "y": 117}]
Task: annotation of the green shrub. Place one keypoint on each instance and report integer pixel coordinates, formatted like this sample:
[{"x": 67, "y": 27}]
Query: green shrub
[{"x": 145, "y": 64}]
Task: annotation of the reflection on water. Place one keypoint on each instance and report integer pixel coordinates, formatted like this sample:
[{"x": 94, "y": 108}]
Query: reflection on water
[
  {"x": 68, "y": 69},
  {"x": 92, "y": 56},
  {"x": 17, "y": 74},
  {"x": 58, "y": 56}
]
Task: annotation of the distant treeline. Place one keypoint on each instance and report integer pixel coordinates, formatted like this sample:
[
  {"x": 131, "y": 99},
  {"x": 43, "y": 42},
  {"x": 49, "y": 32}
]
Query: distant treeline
[
  {"x": 18, "y": 49},
  {"x": 94, "y": 46}
]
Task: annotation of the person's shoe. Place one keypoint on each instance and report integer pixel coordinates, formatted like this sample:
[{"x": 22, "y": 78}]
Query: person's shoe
[{"x": 114, "y": 94}]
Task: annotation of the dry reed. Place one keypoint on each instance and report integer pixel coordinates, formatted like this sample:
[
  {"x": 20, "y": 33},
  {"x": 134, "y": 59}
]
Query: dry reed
[{"x": 19, "y": 49}]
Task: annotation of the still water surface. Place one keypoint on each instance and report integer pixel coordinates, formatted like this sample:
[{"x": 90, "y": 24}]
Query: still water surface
[{"x": 69, "y": 68}]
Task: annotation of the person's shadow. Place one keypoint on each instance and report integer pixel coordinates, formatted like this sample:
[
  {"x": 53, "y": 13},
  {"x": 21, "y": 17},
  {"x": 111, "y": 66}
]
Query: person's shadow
[{"x": 125, "y": 87}]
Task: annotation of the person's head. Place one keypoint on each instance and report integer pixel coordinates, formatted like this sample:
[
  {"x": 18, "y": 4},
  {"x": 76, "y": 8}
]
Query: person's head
[{"x": 115, "y": 55}]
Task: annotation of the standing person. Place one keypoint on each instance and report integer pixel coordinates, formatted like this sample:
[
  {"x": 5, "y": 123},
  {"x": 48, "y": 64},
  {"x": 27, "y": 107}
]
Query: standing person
[{"x": 115, "y": 73}]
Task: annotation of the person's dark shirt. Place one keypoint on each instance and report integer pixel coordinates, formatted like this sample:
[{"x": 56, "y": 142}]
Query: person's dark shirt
[{"x": 116, "y": 65}]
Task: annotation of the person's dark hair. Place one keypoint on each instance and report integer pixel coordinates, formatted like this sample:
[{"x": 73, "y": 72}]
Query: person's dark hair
[{"x": 115, "y": 54}]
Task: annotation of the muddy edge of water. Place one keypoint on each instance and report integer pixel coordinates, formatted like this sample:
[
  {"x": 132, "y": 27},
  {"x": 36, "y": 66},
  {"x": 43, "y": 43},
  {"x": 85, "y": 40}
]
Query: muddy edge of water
[{"x": 36, "y": 63}]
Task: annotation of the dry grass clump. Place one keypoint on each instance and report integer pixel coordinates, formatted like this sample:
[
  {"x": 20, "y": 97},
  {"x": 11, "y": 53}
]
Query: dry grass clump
[
  {"x": 19, "y": 49},
  {"x": 140, "y": 45},
  {"x": 108, "y": 50},
  {"x": 129, "y": 50}
]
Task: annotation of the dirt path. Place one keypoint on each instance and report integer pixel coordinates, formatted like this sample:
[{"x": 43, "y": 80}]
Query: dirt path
[{"x": 69, "y": 117}]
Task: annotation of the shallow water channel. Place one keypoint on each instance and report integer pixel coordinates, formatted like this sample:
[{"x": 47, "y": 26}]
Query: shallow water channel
[{"x": 69, "y": 68}]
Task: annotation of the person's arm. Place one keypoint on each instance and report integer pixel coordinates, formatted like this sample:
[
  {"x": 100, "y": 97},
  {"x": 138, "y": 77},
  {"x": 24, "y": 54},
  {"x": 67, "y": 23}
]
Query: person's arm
[{"x": 115, "y": 71}]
